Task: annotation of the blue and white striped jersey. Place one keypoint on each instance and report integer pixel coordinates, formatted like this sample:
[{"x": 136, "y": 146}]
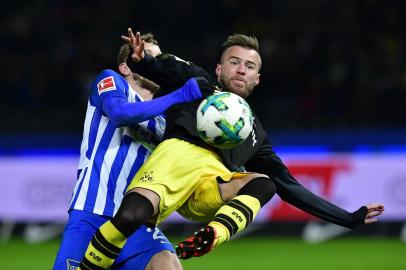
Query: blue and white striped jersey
[{"x": 110, "y": 155}]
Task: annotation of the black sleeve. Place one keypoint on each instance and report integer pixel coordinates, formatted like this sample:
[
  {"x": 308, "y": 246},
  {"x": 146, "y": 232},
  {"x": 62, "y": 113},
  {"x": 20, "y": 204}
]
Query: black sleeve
[
  {"x": 290, "y": 190},
  {"x": 167, "y": 70}
]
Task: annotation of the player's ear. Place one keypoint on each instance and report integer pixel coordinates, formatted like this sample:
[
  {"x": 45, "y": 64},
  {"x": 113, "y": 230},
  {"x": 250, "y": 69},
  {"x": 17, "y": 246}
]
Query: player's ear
[
  {"x": 124, "y": 69},
  {"x": 258, "y": 79},
  {"x": 218, "y": 70}
]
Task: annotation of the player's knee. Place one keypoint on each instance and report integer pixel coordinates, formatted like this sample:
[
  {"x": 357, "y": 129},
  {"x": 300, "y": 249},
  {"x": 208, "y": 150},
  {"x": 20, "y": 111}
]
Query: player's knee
[
  {"x": 261, "y": 188},
  {"x": 134, "y": 211},
  {"x": 164, "y": 260}
]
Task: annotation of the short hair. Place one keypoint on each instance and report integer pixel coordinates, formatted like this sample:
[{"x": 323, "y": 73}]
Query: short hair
[
  {"x": 123, "y": 54},
  {"x": 122, "y": 57},
  {"x": 125, "y": 49},
  {"x": 149, "y": 38},
  {"x": 248, "y": 42}
]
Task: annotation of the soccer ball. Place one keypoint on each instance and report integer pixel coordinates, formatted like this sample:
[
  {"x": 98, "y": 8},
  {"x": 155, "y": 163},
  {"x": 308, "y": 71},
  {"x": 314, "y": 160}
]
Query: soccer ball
[{"x": 224, "y": 120}]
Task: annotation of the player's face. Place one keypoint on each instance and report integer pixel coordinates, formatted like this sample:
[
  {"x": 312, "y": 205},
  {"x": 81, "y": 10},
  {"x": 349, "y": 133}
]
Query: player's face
[
  {"x": 152, "y": 49},
  {"x": 239, "y": 70}
]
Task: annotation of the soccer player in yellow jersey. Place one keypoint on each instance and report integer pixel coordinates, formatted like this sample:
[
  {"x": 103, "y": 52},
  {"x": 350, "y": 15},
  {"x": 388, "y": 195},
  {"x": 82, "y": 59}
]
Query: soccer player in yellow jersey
[{"x": 203, "y": 183}]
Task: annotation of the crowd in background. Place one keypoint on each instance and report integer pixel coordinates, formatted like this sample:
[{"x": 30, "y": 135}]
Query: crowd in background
[{"x": 326, "y": 64}]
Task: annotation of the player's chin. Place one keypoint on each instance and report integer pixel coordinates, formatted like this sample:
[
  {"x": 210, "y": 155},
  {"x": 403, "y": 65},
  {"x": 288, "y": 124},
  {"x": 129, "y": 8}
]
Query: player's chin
[{"x": 241, "y": 91}]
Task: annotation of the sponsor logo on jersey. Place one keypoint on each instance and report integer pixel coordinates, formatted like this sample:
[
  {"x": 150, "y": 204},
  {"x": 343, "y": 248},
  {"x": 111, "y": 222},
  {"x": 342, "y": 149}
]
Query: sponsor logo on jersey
[
  {"x": 95, "y": 256},
  {"x": 107, "y": 84},
  {"x": 237, "y": 216},
  {"x": 147, "y": 177}
]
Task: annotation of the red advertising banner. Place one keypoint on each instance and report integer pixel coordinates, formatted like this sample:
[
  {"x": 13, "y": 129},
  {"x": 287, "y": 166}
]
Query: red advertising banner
[{"x": 316, "y": 176}]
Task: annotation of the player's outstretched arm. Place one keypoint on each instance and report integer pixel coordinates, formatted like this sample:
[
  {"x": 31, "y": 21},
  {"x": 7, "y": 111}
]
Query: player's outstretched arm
[
  {"x": 167, "y": 70},
  {"x": 123, "y": 113},
  {"x": 291, "y": 191}
]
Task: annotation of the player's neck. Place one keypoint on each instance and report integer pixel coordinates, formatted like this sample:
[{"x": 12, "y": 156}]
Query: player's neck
[{"x": 145, "y": 93}]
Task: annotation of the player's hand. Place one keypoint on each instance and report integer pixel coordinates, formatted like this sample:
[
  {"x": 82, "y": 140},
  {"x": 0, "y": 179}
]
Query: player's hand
[
  {"x": 136, "y": 44},
  {"x": 374, "y": 210}
]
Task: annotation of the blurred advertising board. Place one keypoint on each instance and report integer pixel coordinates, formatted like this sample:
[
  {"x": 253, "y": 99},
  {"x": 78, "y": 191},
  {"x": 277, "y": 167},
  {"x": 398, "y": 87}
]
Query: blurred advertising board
[{"x": 38, "y": 188}]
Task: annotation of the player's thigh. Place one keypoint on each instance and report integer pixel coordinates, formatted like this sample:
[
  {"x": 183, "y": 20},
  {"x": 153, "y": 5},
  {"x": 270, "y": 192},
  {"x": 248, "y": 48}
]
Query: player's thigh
[
  {"x": 213, "y": 193},
  {"x": 173, "y": 171},
  {"x": 141, "y": 249},
  {"x": 78, "y": 233},
  {"x": 229, "y": 189}
]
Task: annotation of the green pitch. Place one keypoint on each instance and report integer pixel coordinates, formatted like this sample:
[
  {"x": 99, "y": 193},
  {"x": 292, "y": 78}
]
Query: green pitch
[{"x": 250, "y": 254}]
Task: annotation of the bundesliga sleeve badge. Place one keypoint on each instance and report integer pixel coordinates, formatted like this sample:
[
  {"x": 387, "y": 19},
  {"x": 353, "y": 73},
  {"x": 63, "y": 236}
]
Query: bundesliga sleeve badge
[{"x": 107, "y": 84}]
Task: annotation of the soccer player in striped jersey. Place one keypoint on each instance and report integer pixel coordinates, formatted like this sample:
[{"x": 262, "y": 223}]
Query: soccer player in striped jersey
[{"x": 122, "y": 125}]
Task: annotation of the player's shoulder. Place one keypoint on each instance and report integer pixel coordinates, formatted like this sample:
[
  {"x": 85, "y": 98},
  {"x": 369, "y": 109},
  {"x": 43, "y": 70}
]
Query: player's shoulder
[
  {"x": 109, "y": 80},
  {"x": 192, "y": 69},
  {"x": 169, "y": 56},
  {"x": 109, "y": 73}
]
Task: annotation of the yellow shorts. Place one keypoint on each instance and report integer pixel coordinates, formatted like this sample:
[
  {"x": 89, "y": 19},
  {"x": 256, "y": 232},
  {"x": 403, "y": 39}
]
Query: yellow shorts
[
  {"x": 203, "y": 204},
  {"x": 184, "y": 176}
]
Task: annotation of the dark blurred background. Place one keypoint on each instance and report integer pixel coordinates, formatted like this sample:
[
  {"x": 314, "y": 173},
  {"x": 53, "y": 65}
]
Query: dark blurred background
[
  {"x": 330, "y": 65},
  {"x": 332, "y": 96}
]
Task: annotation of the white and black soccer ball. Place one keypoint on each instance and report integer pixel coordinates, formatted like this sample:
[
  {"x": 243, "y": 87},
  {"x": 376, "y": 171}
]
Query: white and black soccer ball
[{"x": 224, "y": 120}]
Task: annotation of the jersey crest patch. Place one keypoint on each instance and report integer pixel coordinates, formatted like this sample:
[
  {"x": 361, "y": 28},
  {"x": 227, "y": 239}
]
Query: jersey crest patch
[{"x": 107, "y": 84}]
